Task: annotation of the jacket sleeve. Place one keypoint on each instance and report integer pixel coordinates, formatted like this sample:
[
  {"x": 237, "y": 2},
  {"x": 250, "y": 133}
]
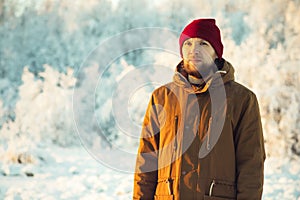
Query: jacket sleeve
[
  {"x": 145, "y": 178},
  {"x": 250, "y": 152}
]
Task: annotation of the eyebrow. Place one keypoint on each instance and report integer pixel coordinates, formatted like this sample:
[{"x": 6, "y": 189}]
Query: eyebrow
[
  {"x": 198, "y": 40},
  {"x": 202, "y": 40}
]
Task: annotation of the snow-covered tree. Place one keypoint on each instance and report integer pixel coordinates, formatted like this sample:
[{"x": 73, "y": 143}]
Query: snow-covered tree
[{"x": 261, "y": 40}]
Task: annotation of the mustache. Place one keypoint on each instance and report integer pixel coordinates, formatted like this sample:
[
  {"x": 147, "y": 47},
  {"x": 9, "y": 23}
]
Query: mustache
[{"x": 202, "y": 70}]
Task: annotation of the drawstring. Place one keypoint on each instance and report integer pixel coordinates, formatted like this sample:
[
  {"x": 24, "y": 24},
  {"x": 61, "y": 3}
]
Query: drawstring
[
  {"x": 222, "y": 72},
  {"x": 211, "y": 188},
  {"x": 169, "y": 186},
  {"x": 208, "y": 134}
]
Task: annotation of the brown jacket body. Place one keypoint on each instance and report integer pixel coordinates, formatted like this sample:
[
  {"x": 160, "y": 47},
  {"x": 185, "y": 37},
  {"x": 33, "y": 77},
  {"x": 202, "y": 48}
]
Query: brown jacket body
[{"x": 204, "y": 143}]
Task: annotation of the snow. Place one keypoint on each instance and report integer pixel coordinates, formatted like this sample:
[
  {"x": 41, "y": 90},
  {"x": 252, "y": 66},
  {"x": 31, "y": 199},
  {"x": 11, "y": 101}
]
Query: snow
[
  {"x": 73, "y": 92},
  {"x": 66, "y": 173},
  {"x": 71, "y": 173}
]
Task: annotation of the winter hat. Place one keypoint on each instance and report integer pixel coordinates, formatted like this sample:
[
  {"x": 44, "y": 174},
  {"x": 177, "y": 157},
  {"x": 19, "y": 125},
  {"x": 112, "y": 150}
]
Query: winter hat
[{"x": 205, "y": 29}]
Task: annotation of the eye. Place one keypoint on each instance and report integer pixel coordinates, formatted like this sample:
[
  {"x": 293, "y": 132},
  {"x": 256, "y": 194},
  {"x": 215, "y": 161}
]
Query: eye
[
  {"x": 188, "y": 43},
  {"x": 203, "y": 43}
]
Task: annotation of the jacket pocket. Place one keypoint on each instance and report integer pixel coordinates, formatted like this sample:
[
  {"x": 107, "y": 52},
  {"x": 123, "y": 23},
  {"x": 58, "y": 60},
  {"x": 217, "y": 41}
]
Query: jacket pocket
[
  {"x": 206, "y": 197},
  {"x": 221, "y": 189},
  {"x": 163, "y": 197}
]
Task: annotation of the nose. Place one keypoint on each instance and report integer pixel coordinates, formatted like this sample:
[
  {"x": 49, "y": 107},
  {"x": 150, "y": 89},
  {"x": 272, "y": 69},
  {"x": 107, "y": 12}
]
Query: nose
[{"x": 195, "y": 49}]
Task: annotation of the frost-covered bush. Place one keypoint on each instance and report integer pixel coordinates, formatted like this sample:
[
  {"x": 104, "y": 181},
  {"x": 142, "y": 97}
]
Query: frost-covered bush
[{"x": 43, "y": 112}]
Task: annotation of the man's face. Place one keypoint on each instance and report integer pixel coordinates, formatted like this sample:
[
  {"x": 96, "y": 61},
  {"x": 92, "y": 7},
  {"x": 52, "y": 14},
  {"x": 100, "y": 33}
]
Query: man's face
[{"x": 198, "y": 56}]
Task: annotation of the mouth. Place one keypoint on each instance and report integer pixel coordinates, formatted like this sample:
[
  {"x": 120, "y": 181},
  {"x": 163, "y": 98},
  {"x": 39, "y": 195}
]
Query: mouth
[{"x": 195, "y": 60}]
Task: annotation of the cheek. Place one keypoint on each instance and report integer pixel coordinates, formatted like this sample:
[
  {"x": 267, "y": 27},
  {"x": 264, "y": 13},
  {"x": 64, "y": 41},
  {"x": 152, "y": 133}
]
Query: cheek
[
  {"x": 211, "y": 52},
  {"x": 184, "y": 53}
]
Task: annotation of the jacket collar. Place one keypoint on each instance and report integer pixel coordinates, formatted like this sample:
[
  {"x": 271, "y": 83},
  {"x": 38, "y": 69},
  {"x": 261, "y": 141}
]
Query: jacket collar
[{"x": 211, "y": 80}]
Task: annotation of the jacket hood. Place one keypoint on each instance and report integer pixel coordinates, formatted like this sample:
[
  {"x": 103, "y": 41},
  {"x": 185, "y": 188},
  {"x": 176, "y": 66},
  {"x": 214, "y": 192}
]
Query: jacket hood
[{"x": 212, "y": 80}]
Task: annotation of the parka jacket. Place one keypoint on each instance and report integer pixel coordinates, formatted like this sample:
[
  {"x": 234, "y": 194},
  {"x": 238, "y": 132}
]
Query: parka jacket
[{"x": 201, "y": 143}]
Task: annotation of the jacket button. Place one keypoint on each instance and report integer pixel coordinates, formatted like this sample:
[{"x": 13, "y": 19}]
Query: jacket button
[
  {"x": 183, "y": 172},
  {"x": 187, "y": 127}
]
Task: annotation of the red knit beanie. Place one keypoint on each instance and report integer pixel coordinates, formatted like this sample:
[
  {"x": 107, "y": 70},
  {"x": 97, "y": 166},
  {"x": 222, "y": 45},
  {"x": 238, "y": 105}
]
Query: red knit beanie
[{"x": 205, "y": 29}]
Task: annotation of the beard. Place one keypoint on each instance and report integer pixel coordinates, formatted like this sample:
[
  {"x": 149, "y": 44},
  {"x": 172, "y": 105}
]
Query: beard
[{"x": 199, "y": 70}]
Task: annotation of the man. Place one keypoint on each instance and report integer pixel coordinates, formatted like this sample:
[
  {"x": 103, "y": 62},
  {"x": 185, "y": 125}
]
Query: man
[{"x": 202, "y": 136}]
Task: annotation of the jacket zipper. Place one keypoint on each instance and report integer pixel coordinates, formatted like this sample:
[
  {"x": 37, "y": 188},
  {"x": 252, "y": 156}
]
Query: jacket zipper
[
  {"x": 208, "y": 146},
  {"x": 173, "y": 156},
  {"x": 176, "y": 129}
]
